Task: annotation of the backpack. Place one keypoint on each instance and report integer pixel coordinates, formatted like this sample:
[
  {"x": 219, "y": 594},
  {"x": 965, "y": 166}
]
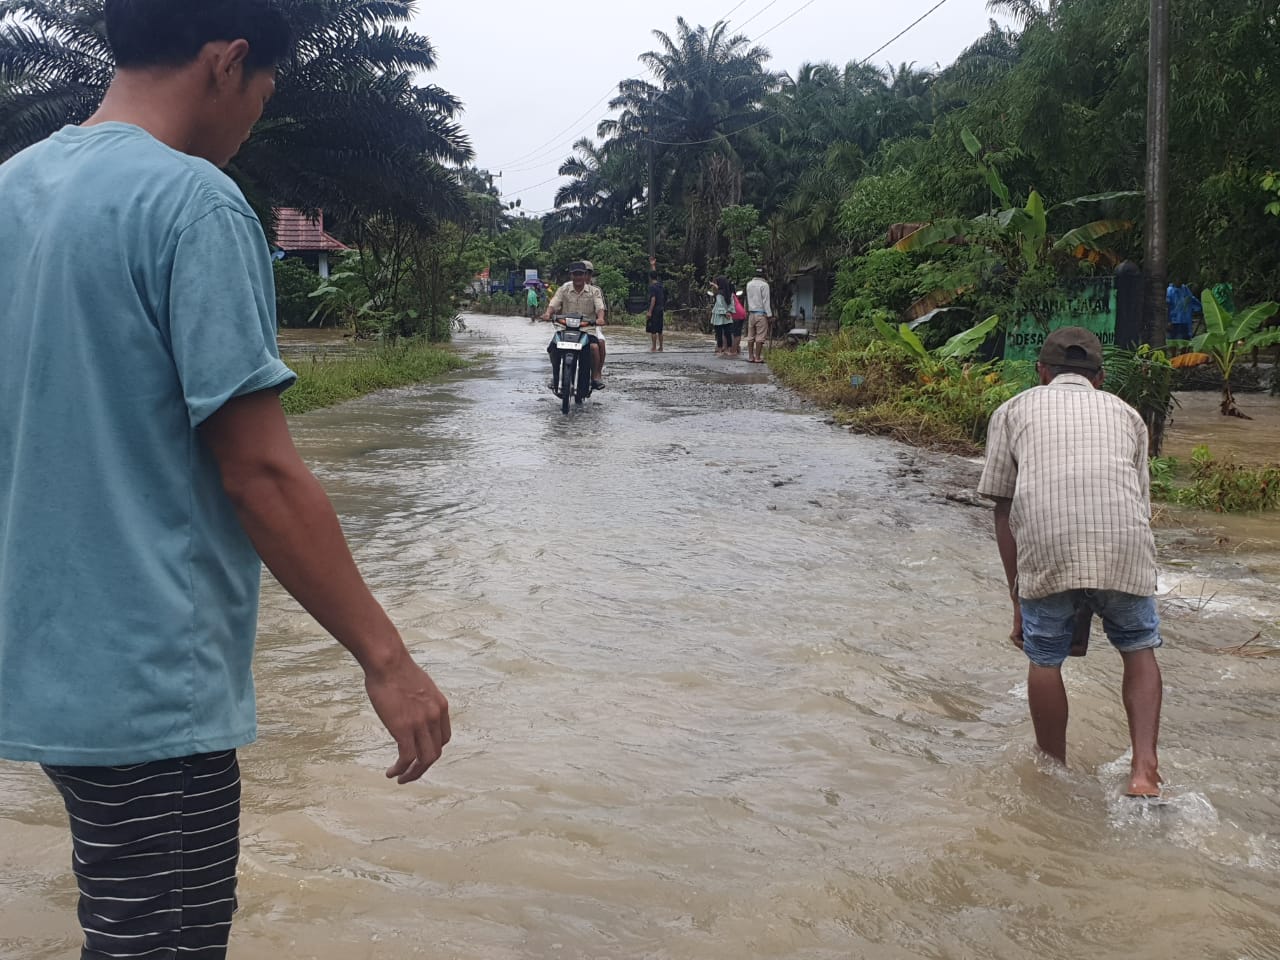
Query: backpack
[{"x": 739, "y": 311}]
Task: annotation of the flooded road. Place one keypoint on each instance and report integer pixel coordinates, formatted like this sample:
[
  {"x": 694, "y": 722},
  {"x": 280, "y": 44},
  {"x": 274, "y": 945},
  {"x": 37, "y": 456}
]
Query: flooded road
[{"x": 728, "y": 683}]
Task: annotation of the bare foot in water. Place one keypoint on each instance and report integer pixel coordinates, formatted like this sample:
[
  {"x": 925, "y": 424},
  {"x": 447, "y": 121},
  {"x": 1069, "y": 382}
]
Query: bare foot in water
[{"x": 1144, "y": 785}]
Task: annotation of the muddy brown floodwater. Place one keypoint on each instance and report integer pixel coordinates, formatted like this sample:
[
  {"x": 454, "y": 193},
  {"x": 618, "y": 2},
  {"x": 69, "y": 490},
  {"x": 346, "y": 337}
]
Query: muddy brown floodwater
[{"x": 728, "y": 683}]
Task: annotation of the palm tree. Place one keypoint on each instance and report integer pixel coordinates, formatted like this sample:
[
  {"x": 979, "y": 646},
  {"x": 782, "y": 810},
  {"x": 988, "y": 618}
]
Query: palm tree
[
  {"x": 349, "y": 129},
  {"x": 1027, "y": 12},
  {"x": 985, "y": 61},
  {"x": 606, "y": 182},
  {"x": 708, "y": 87}
]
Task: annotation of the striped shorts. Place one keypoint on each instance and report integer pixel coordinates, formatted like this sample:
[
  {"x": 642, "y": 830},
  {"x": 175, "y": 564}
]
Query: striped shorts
[{"x": 154, "y": 853}]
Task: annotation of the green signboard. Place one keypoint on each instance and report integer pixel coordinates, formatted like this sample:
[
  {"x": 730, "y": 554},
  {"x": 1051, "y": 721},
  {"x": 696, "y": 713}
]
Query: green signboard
[{"x": 1090, "y": 304}]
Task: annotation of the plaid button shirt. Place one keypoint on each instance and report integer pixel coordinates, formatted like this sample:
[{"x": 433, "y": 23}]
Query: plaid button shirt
[
  {"x": 1074, "y": 462},
  {"x": 571, "y": 303}
]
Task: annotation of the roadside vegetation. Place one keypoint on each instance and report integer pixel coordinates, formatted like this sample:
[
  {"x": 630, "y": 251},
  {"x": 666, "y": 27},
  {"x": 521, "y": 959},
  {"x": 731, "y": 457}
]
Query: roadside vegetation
[
  {"x": 327, "y": 380},
  {"x": 1207, "y": 483}
]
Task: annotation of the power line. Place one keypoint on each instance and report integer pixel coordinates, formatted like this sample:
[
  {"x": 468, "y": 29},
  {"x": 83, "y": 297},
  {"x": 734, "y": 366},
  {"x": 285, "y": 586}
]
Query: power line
[
  {"x": 785, "y": 19},
  {"x": 693, "y": 143},
  {"x": 756, "y": 14},
  {"x": 902, "y": 33},
  {"x": 558, "y": 137},
  {"x": 541, "y": 183},
  {"x": 553, "y": 146}
]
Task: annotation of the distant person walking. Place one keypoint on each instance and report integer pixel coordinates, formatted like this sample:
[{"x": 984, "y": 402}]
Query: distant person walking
[
  {"x": 1067, "y": 468},
  {"x": 759, "y": 312},
  {"x": 657, "y": 309},
  {"x": 722, "y": 316},
  {"x": 531, "y": 303}
]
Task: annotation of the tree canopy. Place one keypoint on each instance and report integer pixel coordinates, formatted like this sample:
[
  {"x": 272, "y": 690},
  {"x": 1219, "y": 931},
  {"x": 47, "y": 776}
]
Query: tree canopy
[{"x": 350, "y": 129}]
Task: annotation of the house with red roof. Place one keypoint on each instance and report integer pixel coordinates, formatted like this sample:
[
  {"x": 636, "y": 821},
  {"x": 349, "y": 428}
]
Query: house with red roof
[{"x": 299, "y": 235}]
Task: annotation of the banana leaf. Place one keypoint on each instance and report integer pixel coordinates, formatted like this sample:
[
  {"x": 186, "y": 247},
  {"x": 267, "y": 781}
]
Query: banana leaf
[
  {"x": 1185, "y": 361},
  {"x": 1215, "y": 319},
  {"x": 1034, "y": 230},
  {"x": 913, "y": 343},
  {"x": 1267, "y": 338},
  {"x": 1248, "y": 321},
  {"x": 934, "y": 233},
  {"x": 966, "y": 342},
  {"x": 1087, "y": 235},
  {"x": 996, "y": 184},
  {"x": 1098, "y": 198}
]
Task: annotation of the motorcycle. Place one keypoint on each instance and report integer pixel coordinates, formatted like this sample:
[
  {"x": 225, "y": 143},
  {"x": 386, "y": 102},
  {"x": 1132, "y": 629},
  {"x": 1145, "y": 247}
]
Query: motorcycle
[{"x": 572, "y": 344}]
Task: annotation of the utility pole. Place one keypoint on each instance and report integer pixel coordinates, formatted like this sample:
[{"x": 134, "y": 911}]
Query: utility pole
[
  {"x": 653, "y": 253},
  {"x": 1156, "y": 265}
]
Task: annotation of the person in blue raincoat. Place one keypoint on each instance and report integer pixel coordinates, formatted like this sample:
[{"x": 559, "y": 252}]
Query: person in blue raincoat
[{"x": 1183, "y": 307}]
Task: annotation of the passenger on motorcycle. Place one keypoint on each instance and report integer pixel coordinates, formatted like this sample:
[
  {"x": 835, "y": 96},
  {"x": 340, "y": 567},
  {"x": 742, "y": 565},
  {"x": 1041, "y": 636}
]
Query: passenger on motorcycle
[
  {"x": 591, "y": 285},
  {"x": 576, "y": 299}
]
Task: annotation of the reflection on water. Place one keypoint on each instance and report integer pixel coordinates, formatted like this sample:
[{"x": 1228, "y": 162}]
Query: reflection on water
[{"x": 727, "y": 683}]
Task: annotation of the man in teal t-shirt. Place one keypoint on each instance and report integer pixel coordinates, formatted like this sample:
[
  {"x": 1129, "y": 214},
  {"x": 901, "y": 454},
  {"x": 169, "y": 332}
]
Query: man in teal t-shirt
[{"x": 146, "y": 467}]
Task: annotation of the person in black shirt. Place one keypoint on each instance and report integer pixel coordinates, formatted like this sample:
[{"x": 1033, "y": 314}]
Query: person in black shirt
[{"x": 657, "y": 307}]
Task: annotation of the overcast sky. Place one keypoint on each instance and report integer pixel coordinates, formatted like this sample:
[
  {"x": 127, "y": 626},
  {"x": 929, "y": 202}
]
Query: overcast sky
[{"x": 536, "y": 75}]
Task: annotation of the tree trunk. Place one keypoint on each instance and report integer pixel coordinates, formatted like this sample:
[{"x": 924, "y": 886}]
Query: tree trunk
[{"x": 1156, "y": 266}]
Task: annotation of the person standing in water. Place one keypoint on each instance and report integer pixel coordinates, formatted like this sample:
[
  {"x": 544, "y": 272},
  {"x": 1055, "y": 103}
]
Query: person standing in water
[
  {"x": 147, "y": 472},
  {"x": 1067, "y": 468},
  {"x": 657, "y": 310}
]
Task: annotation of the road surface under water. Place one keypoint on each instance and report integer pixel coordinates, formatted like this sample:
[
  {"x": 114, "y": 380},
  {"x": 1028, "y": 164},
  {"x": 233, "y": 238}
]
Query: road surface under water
[{"x": 728, "y": 683}]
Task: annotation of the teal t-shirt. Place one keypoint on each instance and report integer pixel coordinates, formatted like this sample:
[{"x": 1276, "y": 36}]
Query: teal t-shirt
[{"x": 136, "y": 298}]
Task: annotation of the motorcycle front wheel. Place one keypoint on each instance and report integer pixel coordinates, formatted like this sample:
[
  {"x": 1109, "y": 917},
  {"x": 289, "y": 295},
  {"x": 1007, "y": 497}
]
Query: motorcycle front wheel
[{"x": 568, "y": 367}]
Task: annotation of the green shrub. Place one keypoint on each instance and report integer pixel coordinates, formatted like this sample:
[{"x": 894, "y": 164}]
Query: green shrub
[
  {"x": 295, "y": 281},
  {"x": 882, "y": 387},
  {"x": 882, "y": 280},
  {"x": 1222, "y": 486}
]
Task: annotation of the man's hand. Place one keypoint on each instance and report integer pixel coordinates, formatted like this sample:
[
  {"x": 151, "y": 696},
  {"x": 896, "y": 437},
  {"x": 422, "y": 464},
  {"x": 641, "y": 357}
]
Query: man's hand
[
  {"x": 296, "y": 532},
  {"x": 415, "y": 713},
  {"x": 1015, "y": 634}
]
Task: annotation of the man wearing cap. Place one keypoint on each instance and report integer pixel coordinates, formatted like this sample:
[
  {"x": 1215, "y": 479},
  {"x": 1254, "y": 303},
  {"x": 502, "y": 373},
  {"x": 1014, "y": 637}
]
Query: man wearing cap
[
  {"x": 1067, "y": 468},
  {"x": 759, "y": 310},
  {"x": 576, "y": 299}
]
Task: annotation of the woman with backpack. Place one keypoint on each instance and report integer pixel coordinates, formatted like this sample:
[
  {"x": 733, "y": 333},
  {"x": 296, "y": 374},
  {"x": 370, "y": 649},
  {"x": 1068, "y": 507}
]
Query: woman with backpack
[{"x": 722, "y": 316}]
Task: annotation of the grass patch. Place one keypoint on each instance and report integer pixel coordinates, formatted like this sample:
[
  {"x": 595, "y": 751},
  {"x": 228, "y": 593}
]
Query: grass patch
[{"x": 326, "y": 380}]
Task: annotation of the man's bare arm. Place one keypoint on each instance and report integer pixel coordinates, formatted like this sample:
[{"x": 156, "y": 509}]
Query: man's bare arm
[
  {"x": 1008, "y": 546},
  {"x": 292, "y": 524},
  {"x": 1009, "y": 557}
]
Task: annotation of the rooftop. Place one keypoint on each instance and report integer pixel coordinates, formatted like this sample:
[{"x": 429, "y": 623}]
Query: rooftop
[{"x": 298, "y": 233}]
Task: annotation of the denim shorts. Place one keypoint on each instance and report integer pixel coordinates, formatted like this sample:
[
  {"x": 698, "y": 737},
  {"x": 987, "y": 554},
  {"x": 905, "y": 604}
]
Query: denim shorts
[{"x": 1131, "y": 623}]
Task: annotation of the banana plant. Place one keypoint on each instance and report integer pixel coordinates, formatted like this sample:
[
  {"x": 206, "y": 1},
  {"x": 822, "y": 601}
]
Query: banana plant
[
  {"x": 931, "y": 362},
  {"x": 1227, "y": 337},
  {"x": 1021, "y": 233}
]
